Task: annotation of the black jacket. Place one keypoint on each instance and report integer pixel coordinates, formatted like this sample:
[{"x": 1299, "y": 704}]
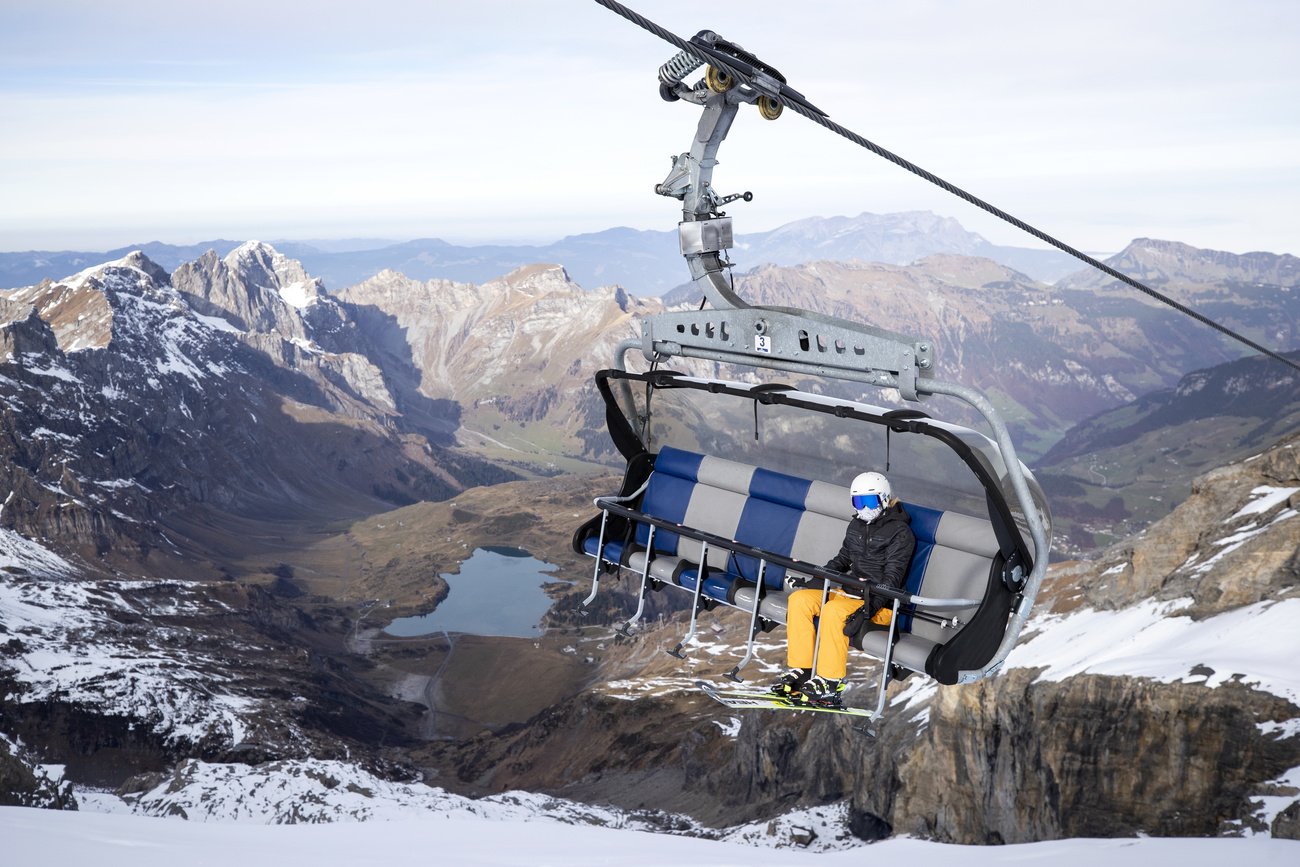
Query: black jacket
[{"x": 879, "y": 552}]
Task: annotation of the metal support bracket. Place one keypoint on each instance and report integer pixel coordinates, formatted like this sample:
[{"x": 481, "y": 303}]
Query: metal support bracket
[
  {"x": 695, "y": 601},
  {"x": 600, "y": 554},
  {"x": 734, "y": 674},
  {"x": 645, "y": 577},
  {"x": 795, "y": 340}
]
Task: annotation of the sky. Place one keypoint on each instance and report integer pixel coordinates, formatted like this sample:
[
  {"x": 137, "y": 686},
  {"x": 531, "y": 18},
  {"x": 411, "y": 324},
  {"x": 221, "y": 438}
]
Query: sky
[{"x": 127, "y": 121}]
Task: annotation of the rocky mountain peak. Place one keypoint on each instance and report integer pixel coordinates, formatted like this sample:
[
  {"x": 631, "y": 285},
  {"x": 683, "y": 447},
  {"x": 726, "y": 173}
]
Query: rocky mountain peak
[
  {"x": 80, "y": 308},
  {"x": 515, "y": 352},
  {"x": 621, "y": 298},
  {"x": 1161, "y": 262},
  {"x": 140, "y": 262},
  {"x": 533, "y": 281},
  {"x": 1233, "y": 542},
  {"x": 14, "y": 311},
  {"x": 133, "y": 273},
  {"x": 257, "y": 289},
  {"x": 261, "y": 266},
  {"x": 23, "y": 331}
]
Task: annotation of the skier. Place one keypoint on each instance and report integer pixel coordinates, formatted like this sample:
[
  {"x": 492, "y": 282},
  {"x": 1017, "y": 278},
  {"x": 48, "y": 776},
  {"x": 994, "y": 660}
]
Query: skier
[{"x": 878, "y": 546}]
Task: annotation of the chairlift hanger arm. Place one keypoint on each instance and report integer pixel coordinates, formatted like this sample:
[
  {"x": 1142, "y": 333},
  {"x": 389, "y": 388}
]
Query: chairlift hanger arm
[
  {"x": 758, "y": 81},
  {"x": 773, "y": 337}
]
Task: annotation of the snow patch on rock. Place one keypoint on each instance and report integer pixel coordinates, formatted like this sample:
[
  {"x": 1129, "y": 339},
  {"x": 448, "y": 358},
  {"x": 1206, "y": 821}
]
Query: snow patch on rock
[
  {"x": 106, "y": 647},
  {"x": 1255, "y": 644},
  {"x": 21, "y": 556}
]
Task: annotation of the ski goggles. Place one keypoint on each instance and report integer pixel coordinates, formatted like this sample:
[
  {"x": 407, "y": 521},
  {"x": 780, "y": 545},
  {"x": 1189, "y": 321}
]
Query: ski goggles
[{"x": 867, "y": 501}]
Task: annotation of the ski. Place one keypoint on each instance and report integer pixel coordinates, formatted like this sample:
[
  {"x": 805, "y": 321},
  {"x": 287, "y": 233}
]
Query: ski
[{"x": 742, "y": 700}]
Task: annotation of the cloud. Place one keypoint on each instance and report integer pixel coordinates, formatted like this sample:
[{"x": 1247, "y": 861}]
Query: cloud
[{"x": 542, "y": 119}]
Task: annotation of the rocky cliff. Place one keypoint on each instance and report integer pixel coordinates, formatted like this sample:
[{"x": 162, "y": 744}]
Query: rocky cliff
[
  {"x": 24, "y": 783},
  {"x": 517, "y": 354}
]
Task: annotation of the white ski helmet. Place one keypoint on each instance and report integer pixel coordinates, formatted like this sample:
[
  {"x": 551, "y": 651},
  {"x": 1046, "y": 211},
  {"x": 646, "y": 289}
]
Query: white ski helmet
[{"x": 871, "y": 495}]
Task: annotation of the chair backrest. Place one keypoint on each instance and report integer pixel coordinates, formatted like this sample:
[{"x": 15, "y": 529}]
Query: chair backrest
[
  {"x": 668, "y": 494},
  {"x": 806, "y": 520},
  {"x": 771, "y": 520},
  {"x": 959, "y": 565}
]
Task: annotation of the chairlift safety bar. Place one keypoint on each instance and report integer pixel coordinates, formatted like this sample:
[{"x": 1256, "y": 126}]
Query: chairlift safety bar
[{"x": 773, "y": 559}]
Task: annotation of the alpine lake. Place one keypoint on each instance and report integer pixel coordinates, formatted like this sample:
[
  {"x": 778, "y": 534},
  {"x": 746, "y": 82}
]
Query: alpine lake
[{"x": 498, "y": 591}]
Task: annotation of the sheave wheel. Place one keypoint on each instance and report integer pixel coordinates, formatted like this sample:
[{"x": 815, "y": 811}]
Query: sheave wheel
[
  {"x": 769, "y": 108},
  {"x": 718, "y": 81}
]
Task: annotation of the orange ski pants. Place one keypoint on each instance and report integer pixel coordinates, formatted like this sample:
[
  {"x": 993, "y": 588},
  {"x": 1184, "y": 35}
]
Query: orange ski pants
[{"x": 801, "y": 635}]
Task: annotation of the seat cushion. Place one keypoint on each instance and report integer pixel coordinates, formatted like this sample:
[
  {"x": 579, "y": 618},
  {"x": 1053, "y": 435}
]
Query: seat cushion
[
  {"x": 716, "y": 584},
  {"x": 911, "y": 650},
  {"x": 613, "y": 550},
  {"x": 774, "y": 605},
  {"x": 663, "y": 567}
]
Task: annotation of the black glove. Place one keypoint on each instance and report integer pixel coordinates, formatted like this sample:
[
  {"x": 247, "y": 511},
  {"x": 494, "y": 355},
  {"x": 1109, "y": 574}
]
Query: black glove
[{"x": 855, "y": 621}]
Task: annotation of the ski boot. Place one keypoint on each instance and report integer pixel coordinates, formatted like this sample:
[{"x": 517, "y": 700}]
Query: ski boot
[
  {"x": 789, "y": 684},
  {"x": 823, "y": 692}
]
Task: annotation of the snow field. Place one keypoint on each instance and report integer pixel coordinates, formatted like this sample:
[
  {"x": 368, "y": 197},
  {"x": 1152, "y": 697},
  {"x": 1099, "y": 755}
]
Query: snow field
[
  {"x": 1256, "y": 643},
  {"x": 75, "y": 838}
]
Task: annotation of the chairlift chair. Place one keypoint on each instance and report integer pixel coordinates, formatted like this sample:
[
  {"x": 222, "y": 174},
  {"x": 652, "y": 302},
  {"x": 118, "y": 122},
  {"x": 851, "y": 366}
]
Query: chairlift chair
[{"x": 731, "y": 485}]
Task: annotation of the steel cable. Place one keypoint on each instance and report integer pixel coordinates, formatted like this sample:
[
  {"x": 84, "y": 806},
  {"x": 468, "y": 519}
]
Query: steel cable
[{"x": 684, "y": 45}]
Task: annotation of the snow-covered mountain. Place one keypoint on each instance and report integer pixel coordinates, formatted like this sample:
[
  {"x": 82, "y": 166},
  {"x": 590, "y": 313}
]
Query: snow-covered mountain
[{"x": 142, "y": 408}]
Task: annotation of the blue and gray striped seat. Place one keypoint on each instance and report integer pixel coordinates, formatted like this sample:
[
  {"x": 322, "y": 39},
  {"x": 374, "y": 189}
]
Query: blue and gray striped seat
[{"x": 803, "y": 520}]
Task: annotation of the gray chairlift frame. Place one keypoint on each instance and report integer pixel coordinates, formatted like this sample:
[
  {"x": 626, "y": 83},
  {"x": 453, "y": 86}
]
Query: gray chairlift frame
[{"x": 797, "y": 341}]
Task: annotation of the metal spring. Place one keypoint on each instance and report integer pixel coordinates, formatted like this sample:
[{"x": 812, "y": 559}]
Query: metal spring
[{"x": 682, "y": 65}]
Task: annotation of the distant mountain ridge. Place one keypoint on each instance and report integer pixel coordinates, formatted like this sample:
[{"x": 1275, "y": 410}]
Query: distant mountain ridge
[
  {"x": 1163, "y": 262},
  {"x": 644, "y": 262},
  {"x": 1125, "y": 467},
  {"x": 894, "y": 239},
  {"x": 503, "y": 369}
]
